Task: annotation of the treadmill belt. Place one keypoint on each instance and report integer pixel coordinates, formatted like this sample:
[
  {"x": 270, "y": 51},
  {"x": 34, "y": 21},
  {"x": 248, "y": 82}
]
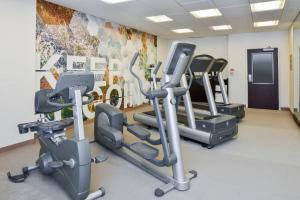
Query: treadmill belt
[{"x": 181, "y": 117}]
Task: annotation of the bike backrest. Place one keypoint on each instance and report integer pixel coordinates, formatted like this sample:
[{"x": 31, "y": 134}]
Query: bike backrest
[{"x": 41, "y": 105}]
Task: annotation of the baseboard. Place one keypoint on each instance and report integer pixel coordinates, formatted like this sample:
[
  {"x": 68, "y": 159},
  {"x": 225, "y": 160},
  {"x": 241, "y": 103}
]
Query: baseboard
[
  {"x": 31, "y": 141},
  {"x": 285, "y": 109},
  {"x": 288, "y": 109},
  {"x": 17, "y": 145}
]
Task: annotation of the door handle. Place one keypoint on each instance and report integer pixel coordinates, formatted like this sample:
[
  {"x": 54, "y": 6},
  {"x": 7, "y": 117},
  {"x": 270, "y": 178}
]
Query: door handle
[{"x": 250, "y": 78}]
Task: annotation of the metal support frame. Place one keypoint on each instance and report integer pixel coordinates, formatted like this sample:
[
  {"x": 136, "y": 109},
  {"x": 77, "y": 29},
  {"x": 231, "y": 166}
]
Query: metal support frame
[
  {"x": 223, "y": 89},
  {"x": 188, "y": 104},
  {"x": 174, "y": 139},
  {"x": 77, "y": 114},
  {"x": 170, "y": 182},
  {"x": 209, "y": 95}
]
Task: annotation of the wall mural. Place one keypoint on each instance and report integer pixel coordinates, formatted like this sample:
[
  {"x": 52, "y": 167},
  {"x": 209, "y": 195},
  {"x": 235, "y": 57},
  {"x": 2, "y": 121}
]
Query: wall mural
[{"x": 70, "y": 40}]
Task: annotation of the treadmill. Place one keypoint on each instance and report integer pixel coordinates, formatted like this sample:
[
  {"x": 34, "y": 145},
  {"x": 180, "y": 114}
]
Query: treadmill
[
  {"x": 207, "y": 129},
  {"x": 218, "y": 66}
]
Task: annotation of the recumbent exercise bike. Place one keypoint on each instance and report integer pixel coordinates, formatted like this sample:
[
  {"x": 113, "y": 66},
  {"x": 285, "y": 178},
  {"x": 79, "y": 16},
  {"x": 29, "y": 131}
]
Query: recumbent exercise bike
[{"x": 68, "y": 161}]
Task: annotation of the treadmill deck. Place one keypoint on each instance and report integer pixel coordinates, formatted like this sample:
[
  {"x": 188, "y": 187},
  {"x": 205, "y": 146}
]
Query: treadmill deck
[
  {"x": 237, "y": 110},
  {"x": 210, "y": 124}
]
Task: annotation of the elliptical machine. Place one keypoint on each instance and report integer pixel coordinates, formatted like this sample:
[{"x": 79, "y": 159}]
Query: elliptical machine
[
  {"x": 109, "y": 123},
  {"x": 68, "y": 161}
]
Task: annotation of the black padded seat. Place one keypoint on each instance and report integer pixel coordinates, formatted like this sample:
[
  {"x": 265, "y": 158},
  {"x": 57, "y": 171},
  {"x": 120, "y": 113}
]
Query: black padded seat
[{"x": 51, "y": 127}]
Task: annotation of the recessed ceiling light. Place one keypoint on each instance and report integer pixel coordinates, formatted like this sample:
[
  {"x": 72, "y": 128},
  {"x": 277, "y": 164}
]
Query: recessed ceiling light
[
  {"x": 268, "y": 5},
  {"x": 160, "y": 18},
  {"x": 183, "y": 30},
  {"x": 206, "y": 13},
  {"x": 266, "y": 23},
  {"x": 221, "y": 27},
  {"x": 114, "y": 1}
]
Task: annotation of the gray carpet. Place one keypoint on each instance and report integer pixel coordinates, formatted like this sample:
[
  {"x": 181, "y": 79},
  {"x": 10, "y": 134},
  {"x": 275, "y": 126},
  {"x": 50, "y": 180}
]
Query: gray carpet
[
  {"x": 262, "y": 163},
  {"x": 297, "y": 118}
]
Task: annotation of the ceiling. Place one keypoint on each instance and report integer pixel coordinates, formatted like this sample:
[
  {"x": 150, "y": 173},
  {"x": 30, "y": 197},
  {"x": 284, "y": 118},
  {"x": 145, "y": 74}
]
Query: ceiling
[{"x": 237, "y": 13}]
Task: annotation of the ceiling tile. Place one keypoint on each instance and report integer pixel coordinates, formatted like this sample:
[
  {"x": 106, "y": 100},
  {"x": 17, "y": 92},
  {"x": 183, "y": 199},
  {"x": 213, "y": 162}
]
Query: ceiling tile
[
  {"x": 289, "y": 15},
  {"x": 192, "y": 1},
  {"x": 183, "y": 18},
  {"x": 169, "y": 25},
  {"x": 137, "y": 8},
  {"x": 243, "y": 30},
  {"x": 292, "y": 4},
  {"x": 164, "y": 6},
  {"x": 236, "y": 12},
  {"x": 198, "y": 5},
  {"x": 240, "y": 23},
  {"x": 258, "y": 1},
  {"x": 284, "y": 25},
  {"x": 213, "y": 21},
  {"x": 226, "y": 3},
  {"x": 266, "y": 29},
  {"x": 268, "y": 15}
]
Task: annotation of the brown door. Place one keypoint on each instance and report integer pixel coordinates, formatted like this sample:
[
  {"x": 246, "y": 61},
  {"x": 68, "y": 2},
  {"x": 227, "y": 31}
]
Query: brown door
[{"x": 263, "y": 78}]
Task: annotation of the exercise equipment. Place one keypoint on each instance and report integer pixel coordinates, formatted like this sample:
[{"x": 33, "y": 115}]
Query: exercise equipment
[
  {"x": 153, "y": 79},
  {"x": 109, "y": 123},
  {"x": 215, "y": 73},
  {"x": 207, "y": 128},
  {"x": 68, "y": 161}
]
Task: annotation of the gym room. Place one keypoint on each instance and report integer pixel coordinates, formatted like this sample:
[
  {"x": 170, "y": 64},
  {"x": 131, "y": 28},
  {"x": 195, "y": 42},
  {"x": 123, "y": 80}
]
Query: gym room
[{"x": 150, "y": 99}]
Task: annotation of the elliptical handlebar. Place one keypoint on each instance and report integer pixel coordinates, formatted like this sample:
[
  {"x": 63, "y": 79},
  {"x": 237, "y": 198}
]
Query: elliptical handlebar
[
  {"x": 169, "y": 158},
  {"x": 133, "y": 60},
  {"x": 157, "y": 67},
  {"x": 159, "y": 93},
  {"x": 190, "y": 80}
]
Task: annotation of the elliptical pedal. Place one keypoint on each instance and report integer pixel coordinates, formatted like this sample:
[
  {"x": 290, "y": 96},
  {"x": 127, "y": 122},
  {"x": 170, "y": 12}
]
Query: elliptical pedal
[
  {"x": 139, "y": 131},
  {"x": 146, "y": 151}
]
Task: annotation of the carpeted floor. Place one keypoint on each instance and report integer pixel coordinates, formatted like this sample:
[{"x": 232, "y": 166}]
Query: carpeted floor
[
  {"x": 297, "y": 118},
  {"x": 262, "y": 163}
]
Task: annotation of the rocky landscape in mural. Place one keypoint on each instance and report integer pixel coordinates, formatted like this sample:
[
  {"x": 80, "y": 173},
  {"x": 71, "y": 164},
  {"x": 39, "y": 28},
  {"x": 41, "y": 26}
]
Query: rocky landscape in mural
[{"x": 70, "y": 40}]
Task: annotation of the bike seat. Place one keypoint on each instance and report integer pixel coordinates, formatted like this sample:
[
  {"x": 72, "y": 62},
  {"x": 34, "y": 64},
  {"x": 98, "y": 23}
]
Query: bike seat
[{"x": 51, "y": 127}]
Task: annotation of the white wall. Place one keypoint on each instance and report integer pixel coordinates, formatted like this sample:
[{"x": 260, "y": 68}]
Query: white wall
[
  {"x": 17, "y": 77},
  {"x": 214, "y": 46},
  {"x": 162, "y": 49},
  {"x": 234, "y": 48},
  {"x": 237, "y": 58},
  {"x": 163, "y": 46},
  {"x": 296, "y": 66}
]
